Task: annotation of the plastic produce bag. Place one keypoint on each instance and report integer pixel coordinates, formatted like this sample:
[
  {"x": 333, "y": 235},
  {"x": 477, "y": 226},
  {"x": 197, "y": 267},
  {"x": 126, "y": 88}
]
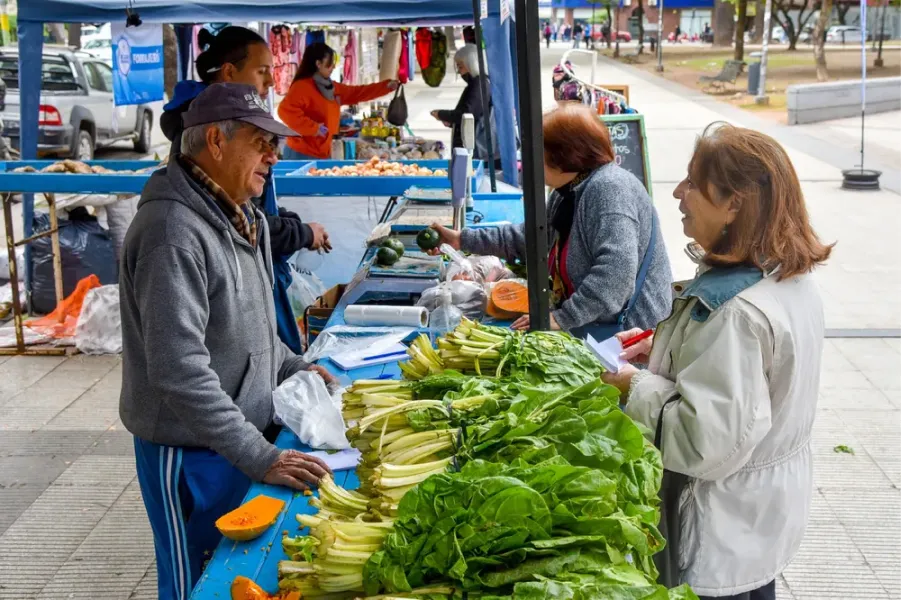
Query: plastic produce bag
[
  {"x": 305, "y": 288},
  {"x": 446, "y": 317},
  {"x": 489, "y": 269},
  {"x": 468, "y": 296},
  {"x": 346, "y": 338},
  {"x": 99, "y": 326},
  {"x": 459, "y": 268},
  {"x": 307, "y": 407},
  {"x": 20, "y": 264}
]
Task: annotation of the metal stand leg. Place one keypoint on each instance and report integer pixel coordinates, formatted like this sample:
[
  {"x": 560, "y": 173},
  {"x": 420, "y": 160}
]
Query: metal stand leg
[
  {"x": 13, "y": 272},
  {"x": 392, "y": 202},
  {"x": 57, "y": 256}
]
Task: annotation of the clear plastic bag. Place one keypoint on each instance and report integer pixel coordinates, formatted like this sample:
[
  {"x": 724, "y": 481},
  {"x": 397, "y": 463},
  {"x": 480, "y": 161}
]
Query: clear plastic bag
[
  {"x": 305, "y": 288},
  {"x": 99, "y": 326},
  {"x": 468, "y": 296},
  {"x": 459, "y": 267},
  {"x": 446, "y": 317},
  {"x": 489, "y": 269},
  {"x": 346, "y": 338},
  {"x": 311, "y": 411}
]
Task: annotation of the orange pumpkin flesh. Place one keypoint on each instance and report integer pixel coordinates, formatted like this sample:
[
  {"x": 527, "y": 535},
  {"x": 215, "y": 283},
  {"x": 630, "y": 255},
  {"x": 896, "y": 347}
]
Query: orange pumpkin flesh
[
  {"x": 245, "y": 589},
  {"x": 251, "y": 519},
  {"x": 510, "y": 297}
]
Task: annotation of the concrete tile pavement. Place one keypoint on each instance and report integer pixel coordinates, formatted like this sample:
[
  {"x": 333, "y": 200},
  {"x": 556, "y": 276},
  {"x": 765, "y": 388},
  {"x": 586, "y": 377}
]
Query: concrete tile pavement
[{"x": 71, "y": 519}]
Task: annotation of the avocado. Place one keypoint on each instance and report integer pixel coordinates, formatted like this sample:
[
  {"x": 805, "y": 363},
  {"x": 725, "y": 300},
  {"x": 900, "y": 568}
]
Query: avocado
[
  {"x": 395, "y": 244},
  {"x": 428, "y": 239},
  {"x": 386, "y": 256}
]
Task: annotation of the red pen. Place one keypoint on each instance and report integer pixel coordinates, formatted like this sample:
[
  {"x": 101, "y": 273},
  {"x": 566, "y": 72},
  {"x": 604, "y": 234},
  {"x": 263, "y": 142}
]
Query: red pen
[{"x": 635, "y": 339}]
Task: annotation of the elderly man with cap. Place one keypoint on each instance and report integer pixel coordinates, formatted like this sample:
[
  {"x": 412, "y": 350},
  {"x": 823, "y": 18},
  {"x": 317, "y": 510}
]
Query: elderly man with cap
[{"x": 201, "y": 356}]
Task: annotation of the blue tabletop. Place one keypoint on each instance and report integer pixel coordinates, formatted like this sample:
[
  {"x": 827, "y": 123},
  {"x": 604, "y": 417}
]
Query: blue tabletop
[{"x": 258, "y": 559}]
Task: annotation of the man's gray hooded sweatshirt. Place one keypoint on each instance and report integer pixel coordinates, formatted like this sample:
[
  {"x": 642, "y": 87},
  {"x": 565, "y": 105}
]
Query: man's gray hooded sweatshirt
[
  {"x": 200, "y": 353},
  {"x": 610, "y": 235}
]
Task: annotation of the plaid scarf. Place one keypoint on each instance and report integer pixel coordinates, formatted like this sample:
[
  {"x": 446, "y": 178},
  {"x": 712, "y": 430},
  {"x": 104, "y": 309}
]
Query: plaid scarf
[{"x": 241, "y": 216}]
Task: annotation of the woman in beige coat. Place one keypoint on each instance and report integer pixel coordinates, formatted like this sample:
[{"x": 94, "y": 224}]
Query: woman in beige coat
[{"x": 733, "y": 374}]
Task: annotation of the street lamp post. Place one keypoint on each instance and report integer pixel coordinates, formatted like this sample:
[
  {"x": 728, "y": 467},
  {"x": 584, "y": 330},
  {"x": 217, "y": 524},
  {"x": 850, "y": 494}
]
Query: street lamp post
[
  {"x": 660, "y": 37},
  {"x": 761, "y": 97}
]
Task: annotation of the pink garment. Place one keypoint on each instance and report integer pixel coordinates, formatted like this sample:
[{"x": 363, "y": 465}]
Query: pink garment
[
  {"x": 283, "y": 70},
  {"x": 350, "y": 59},
  {"x": 403, "y": 71}
]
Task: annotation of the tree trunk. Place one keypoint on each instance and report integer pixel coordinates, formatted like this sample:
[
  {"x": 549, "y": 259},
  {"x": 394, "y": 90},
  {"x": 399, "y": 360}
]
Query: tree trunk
[
  {"x": 57, "y": 33},
  {"x": 611, "y": 26},
  {"x": 723, "y": 22},
  {"x": 740, "y": 30},
  {"x": 640, "y": 26},
  {"x": 819, "y": 40},
  {"x": 170, "y": 60},
  {"x": 758, "y": 22},
  {"x": 842, "y": 10},
  {"x": 75, "y": 35}
]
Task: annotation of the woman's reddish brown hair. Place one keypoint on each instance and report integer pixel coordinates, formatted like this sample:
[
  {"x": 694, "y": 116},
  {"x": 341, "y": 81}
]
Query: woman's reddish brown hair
[
  {"x": 575, "y": 139},
  {"x": 752, "y": 171}
]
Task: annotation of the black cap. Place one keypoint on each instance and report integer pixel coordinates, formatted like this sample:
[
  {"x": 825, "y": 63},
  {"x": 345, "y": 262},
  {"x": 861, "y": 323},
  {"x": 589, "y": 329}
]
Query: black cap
[{"x": 233, "y": 102}]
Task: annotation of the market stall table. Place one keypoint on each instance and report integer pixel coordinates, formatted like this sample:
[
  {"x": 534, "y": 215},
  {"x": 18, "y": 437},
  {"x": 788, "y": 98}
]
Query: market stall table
[{"x": 258, "y": 559}]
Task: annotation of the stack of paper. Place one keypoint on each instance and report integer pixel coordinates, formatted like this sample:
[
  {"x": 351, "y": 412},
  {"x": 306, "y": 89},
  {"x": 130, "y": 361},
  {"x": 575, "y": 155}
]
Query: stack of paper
[{"x": 608, "y": 352}]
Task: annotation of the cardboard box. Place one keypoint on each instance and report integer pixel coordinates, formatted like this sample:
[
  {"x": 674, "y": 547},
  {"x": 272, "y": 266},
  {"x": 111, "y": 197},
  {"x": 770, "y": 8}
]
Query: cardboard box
[{"x": 316, "y": 316}]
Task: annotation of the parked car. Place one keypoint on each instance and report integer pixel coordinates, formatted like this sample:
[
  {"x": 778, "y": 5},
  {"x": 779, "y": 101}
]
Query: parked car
[
  {"x": 844, "y": 34},
  {"x": 98, "y": 47},
  {"x": 77, "y": 113}
]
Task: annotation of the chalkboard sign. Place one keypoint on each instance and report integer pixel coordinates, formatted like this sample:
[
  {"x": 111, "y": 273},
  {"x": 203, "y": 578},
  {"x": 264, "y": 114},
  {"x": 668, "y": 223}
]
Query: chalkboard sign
[{"x": 630, "y": 145}]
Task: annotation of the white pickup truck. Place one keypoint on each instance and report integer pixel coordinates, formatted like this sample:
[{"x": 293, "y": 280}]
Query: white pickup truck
[{"x": 77, "y": 113}]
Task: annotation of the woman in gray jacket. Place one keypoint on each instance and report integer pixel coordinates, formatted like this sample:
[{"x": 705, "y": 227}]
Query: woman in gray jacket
[{"x": 608, "y": 263}]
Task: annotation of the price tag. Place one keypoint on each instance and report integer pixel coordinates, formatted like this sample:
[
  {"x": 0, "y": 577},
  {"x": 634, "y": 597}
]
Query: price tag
[{"x": 484, "y": 8}]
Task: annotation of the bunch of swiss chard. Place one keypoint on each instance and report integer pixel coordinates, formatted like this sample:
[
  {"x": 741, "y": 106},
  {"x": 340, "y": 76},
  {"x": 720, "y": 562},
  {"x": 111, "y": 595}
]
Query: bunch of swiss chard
[{"x": 538, "y": 357}]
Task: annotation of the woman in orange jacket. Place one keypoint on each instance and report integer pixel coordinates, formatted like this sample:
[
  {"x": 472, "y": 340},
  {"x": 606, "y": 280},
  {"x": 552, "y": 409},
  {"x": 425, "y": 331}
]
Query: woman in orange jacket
[{"x": 312, "y": 107}]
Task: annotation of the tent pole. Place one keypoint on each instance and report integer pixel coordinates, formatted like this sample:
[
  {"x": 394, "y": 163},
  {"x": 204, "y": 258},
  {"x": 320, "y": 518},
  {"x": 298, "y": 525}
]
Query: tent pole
[
  {"x": 529, "y": 67},
  {"x": 483, "y": 92}
]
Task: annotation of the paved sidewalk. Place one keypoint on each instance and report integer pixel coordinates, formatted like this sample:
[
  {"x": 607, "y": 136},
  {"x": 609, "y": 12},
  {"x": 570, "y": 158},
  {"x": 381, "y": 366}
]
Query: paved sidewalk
[{"x": 72, "y": 524}]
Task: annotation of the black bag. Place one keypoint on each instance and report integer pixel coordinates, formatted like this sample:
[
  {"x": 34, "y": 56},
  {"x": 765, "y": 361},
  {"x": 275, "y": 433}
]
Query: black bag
[
  {"x": 397, "y": 109},
  {"x": 85, "y": 249},
  {"x": 667, "y": 560}
]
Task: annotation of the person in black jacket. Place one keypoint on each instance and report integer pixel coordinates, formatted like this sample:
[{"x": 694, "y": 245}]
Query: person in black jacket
[
  {"x": 239, "y": 55},
  {"x": 467, "y": 62}
]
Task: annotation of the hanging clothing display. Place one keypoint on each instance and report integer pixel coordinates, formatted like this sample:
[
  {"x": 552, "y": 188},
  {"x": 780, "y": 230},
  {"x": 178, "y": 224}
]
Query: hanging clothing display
[
  {"x": 391, "y": 49},
  {"x": 350, "y": 59},
  {"x": 423, "y": 47},
  {"x": 433, "y": 75},
  {"x": 403, "y": 71},
  {"x": 283, "y": 70}
]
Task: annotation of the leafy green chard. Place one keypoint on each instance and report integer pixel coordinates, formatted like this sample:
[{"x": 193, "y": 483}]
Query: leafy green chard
[
  {"x": 536, "y": 357},
  {"x": 513, "y": 531}
]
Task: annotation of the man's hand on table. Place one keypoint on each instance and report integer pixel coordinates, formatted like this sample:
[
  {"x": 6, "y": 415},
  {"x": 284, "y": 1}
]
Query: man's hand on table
[{"x": 296, "y": 470}]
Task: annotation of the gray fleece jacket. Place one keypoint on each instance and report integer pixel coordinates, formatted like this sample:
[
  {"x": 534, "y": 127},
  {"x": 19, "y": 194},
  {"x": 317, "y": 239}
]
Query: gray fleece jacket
[
  {"x": 200, "y": 353},
  {"x": 610, "y": 235}
]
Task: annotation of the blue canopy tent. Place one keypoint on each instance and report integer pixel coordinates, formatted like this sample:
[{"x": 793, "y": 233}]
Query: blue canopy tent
[
  {"x": 500, "y": 36},
  {"x": 34, "y": 13}
]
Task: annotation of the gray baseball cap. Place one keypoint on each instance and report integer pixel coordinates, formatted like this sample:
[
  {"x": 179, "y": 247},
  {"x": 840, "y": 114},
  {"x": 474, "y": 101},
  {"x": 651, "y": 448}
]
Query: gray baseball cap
[{"x": 233, "y": 102}]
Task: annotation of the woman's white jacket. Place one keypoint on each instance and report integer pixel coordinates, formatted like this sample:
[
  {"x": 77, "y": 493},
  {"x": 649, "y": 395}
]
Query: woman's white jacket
[{"x": 745, "y": 366}]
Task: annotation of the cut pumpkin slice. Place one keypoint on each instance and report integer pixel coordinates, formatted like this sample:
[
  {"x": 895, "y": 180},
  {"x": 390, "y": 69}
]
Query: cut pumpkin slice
[
  {"x": 510, "y": 297},
  {"x": 250, "y": 519},
  {"x": 245, "y": 589}
]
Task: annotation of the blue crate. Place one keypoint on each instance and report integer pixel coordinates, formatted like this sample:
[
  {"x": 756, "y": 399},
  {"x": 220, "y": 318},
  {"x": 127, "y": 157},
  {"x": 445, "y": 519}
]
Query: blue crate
[
  {"x": 99, "y": 183},
  {"x": 300, "y": 183}
]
